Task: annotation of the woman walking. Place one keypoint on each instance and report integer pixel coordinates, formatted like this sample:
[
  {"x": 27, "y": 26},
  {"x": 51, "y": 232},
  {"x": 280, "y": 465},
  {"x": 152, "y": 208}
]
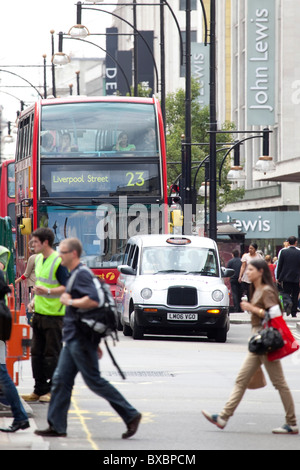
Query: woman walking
[{"x": 263, "y": 298}]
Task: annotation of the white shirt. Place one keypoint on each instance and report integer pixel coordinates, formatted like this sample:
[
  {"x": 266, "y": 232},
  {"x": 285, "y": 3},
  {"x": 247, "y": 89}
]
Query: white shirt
[{"x": 2, "y": 352}]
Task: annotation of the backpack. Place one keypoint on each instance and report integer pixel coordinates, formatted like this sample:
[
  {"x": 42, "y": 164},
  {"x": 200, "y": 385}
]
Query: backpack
[
  {"x": 5, "y": 321},
  {"x": 102, "y": 321},
  {"x": 286, "y": 302}
]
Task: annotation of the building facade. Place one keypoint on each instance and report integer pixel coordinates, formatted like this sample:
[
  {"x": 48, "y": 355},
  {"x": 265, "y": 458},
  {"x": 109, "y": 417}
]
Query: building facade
[{"x": 264, "y": 88}]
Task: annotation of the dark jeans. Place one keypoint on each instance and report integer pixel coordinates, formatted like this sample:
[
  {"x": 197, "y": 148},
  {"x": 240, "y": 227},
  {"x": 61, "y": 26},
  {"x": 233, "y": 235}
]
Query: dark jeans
[
  {"x": 76, "y": 357},
  {"x": 292, "y": 288},
  {"x": 246, "y": 289},
  {"x": 236, "y": 290},
  {"x": 10, "y": 393},
  {"x": 45, "y": 349}
]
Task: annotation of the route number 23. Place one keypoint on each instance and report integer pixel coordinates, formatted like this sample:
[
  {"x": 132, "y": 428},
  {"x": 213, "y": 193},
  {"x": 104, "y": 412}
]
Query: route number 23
[{"x": 135, "y": 178}]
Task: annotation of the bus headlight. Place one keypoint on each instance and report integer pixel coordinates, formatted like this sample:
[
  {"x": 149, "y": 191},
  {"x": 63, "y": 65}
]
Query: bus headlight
[
  {"x": 217, "y": 295},
  {"x": 146, "y": 293}
]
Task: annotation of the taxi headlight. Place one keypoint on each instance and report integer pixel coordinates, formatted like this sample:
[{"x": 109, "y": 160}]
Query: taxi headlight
[
  {"x": 217, "y": 295},
  {"x": 146, "y": 293}
]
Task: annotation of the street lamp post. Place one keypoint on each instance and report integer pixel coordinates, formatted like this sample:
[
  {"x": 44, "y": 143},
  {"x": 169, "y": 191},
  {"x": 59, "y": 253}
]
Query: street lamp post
[
  {"x": 188, "y": 104},
  {"x": 135, "y": 52},
  {"x": 45, "y": 77},
  {"x": 186, "y": 154},
  {"x": 162, "y": 63},
  {"x": 213, "y": 127},
  {"x": 78, "y": 81},
  {"x": 53, "y": 65}
]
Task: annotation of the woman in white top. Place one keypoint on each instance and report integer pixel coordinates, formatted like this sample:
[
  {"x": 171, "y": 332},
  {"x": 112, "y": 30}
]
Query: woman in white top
[{"x": 246, "y": 258}]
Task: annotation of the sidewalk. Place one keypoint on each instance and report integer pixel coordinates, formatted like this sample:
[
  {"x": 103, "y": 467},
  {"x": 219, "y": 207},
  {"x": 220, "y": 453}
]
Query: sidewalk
[
  {"x": 242, "y": 317},
  {"x": 21, "y": 440}
]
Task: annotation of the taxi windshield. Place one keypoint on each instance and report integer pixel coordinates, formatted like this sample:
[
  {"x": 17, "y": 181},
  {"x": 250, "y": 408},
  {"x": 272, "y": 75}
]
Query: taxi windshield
[{"x": 179, "y": 259}]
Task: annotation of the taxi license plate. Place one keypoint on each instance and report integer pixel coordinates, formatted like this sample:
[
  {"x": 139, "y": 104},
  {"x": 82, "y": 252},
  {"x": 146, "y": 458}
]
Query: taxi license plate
[{"x": 182, "y": 316}]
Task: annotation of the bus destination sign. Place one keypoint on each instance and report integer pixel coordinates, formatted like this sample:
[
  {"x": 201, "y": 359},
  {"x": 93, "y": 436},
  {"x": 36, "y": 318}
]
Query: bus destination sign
[{"x": 95, "y": 181}]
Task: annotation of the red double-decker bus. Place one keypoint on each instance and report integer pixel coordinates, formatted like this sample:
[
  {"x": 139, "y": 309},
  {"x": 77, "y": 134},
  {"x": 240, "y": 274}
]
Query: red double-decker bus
[
  {"x": 7, "y": 190},
  {"x": 92, "y": 168}
]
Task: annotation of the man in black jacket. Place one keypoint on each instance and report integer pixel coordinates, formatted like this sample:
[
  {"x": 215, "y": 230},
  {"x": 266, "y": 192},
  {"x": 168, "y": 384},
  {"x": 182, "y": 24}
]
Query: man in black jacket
[
  {"x": 288, "y": 272},
  {"x": 236, "y": 287}
]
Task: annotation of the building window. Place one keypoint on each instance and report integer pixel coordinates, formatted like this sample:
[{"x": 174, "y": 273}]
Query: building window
[
  {"x": 182, "y": 4},
  {"x": 193, "y": 39}
]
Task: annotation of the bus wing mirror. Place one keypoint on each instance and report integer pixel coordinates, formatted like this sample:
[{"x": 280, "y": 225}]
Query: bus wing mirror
[{"x": 25, "y": 226}]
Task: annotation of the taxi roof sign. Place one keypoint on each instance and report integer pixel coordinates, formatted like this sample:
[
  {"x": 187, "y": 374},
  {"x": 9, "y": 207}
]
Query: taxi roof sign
[{"x": 178, "y": 241}]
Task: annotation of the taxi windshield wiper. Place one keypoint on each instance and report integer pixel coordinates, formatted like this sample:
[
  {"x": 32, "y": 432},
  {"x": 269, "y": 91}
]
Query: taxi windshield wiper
[
  {"x": 171, "y": 271},
  {"x": 203, "y": 272}
]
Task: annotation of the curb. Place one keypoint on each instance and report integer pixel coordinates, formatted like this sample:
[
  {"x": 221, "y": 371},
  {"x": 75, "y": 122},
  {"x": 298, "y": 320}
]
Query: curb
[{"x": 242, "y": 318}]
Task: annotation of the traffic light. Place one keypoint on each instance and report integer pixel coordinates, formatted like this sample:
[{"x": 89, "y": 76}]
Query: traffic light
[{"x": 175, "y": 196}]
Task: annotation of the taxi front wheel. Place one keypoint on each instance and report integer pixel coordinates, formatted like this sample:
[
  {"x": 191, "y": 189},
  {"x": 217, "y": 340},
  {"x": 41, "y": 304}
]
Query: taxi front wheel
[
  {"x": 137, "y": 331},
  {"x": 127, "y": 331},
  {"x": 220, "y": 335}
]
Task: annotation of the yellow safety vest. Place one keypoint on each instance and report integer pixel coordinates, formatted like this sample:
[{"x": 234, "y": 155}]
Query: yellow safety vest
[
  {"x": 4, "y": 258},
  {"x": 45, "y": 271}
]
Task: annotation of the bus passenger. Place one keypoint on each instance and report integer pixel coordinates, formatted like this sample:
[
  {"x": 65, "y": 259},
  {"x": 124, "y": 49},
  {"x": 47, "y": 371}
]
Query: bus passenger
[
  {"x": 65, "y": 143},
  {"x": 47, "y": 143},
  {"x": 122, "y": 144},
  {"x": 150, "y": 140}
]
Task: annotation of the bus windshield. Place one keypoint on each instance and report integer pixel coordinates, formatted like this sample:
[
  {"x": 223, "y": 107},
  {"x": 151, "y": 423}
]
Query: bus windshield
[
  {"x": 83, "y": 223},
  {"x": 98, "y": 129}
]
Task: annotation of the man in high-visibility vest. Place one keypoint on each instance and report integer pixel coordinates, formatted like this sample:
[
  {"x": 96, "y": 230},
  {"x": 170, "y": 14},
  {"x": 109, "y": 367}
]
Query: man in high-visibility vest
[
  {"x": 47, "y": 319},
  {"x": 4, "y": 259}
]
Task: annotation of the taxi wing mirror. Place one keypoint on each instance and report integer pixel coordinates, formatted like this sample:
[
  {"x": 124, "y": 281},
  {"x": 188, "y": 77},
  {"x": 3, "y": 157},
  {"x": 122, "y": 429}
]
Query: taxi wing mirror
[
  {"x": 227, "y": 272},
  {"x": 127, "y": 270}
]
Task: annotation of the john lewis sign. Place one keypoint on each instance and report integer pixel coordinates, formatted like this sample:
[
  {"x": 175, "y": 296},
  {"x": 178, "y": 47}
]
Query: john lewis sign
[
  {"x": 261, "y": 62},
  {"x": 263, "y": 224},
  {"x": 200, "y": 70}
]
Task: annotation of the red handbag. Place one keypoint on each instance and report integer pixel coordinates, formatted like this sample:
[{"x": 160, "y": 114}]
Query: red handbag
[{"x": 290, "y": 344}]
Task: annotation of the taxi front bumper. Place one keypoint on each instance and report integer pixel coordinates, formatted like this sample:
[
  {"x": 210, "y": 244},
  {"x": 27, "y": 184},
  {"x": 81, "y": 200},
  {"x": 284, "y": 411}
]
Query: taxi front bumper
[{"x": 180, "y": 320}]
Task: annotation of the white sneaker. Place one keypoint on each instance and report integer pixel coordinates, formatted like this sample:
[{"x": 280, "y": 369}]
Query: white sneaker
[
  {"x": 4, "y": 407},
  {"x": 215, "y": 419},
  {"x": 286, "y": 429}
]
